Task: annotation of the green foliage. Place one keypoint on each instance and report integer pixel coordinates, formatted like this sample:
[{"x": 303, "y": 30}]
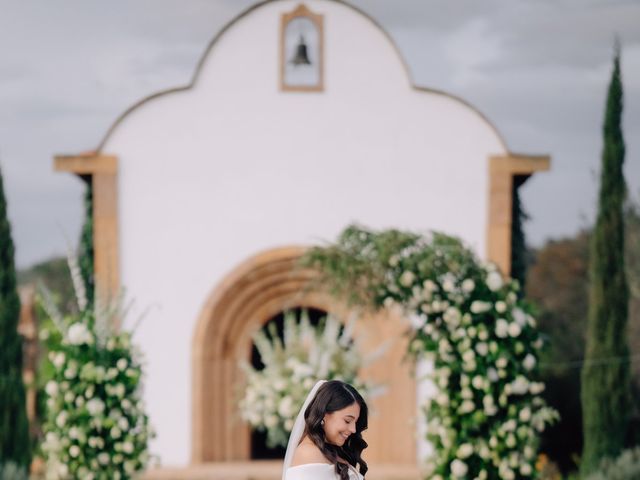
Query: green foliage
[
  {"x": 625, "y": 467},
  {"x": 85, "y": 259},
  {"x": 95, "y": 424},
  {"x": 518, "y": 243},
  {"x": 356, "y": 267},
  {"x": 11, "y": 471},
  {"x": 14, "y": 426},
  {"x": 606, "y": 387},
  {"x": 487, "y": 413},
  {"x": 54, "y": 275},
  {"x": 557, "y": 284}
]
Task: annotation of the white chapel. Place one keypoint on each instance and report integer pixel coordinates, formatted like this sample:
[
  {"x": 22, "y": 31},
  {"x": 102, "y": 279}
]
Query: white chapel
[{"x": 301, "y": 118}]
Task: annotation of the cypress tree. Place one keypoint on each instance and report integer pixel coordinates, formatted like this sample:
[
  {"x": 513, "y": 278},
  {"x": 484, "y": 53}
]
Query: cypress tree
[
  {"x": 605, "y": 389},
  {"x": 14, "y": 426},
  {"x": 518, "y": 242},
  {"x": 85, "y": 260}
]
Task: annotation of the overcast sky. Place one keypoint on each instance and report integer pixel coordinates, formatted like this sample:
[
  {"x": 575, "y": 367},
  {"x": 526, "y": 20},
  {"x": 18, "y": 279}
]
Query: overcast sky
[{"x": 537, "y": 69}]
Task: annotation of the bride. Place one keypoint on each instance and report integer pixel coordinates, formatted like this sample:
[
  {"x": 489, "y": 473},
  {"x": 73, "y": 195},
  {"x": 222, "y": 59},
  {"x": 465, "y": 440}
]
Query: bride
[{"x": 326, "y": 441}]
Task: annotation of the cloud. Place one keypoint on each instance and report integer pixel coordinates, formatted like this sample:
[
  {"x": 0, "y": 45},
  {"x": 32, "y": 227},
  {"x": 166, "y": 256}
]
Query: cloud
[{"x": 537, "y": 68}]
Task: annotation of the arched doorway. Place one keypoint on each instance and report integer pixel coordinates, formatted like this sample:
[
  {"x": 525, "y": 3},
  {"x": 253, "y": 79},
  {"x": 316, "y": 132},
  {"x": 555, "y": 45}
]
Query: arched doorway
[{"x": 252, "y": 294}]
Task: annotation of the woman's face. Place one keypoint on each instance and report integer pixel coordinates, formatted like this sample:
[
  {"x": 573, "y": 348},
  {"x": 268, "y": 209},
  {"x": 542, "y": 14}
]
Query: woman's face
[{"x": 340, "y": 424}]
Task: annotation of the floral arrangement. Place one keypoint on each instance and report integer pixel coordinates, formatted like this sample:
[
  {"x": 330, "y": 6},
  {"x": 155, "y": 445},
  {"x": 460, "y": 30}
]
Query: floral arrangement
[
  {"x": 486, "y": 417},
  {"x": 274, "y": 395},
  {"x": 95, "y": 425}
]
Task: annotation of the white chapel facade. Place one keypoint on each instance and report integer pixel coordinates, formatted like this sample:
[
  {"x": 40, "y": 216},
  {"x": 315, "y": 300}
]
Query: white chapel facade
[{"x": 206, "y": 195}]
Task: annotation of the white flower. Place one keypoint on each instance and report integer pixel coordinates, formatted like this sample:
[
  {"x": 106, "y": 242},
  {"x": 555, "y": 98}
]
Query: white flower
[
  {"x": 52, "y": 441},
  {"x": 466, "y": 393},
  {"x": 270, "y": 421},
  {"x": 74, "y": 451},
  {"x": 525, "y": 414},
  {"x": 520, "y": 385},
  {"x": 536, "y": 387},
  {"x": 529, "y": 362},
  {"x": 468, "y": 356},
  {"x": 429, "y": 286},
  {"x": 519, "y": 316},
  {"x": 62, "y": 470},
  {"x": 61, "y": 419},
  {"x": 95, "y": 406},
  {"x": 285, "y": 409},
  {"x": 510, "y": 441},
  {"x": 123, "y": 423},
  {"x": 514, "y": 329},
  {"x": 478, "y": 382},
  {"x": 452, "y": 316},
  {"x": 122, "y": 363},
  {"x": 444, "y": 346},
  {"x": 78, "y": 334},
  {"x": 58, "y": 359},
  {"x": 482, "y": 348},
  {"x": 407, "y": 278},
  {"x": 448, "y": 283},
  {"x": 502, "y": 328},
  {"x": 103, "y": 458},
  {"x": 501, "y": 307},
  {"x": 484, "y": 453},
  {"x": 127, "y": 447},
  {"x": 506, "y": 473},
  {"x": 494, "y": 281},
  {"x": 525, "y": 469},
  {"x": 51, "y": 388},
  {"x": 280, "y": 385},
  {"x": 100, "y": 374},
  {"x": 442, "y": 399},
  {"x": 489, "y": 406},
  {"x": 119, "y": 390},
  {"x": 458, "y": 468},
  {"x": 468, "y": 285},
  {"x": 492, "y": 374},
  {"x": 478, "y": 306},
  {"x": 529, "y": 452},
  {"x": 467, "y": 406},
  {"x": 465, "y": 450}
]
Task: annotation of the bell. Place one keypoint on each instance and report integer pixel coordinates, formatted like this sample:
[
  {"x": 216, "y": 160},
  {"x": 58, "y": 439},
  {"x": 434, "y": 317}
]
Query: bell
[{"x": 301, "y": 57}]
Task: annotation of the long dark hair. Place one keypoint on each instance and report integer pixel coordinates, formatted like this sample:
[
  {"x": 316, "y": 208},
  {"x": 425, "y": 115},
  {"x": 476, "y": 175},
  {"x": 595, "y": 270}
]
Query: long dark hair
[{"x": 332, "y": 396}]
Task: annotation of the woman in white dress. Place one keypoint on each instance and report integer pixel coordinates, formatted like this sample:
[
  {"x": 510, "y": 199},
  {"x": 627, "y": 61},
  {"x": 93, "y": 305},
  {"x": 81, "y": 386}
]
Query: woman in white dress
[{"x": 326, "y": 441}]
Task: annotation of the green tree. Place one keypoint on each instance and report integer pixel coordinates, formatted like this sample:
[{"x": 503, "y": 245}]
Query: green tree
[
  {"x": 85, "y": 259},
  {"x": 605, "y": 389},
  {"x": 518, "y": 241},
  {"x": 14, "y": 426},
  {"x": 557, "y": 282}
]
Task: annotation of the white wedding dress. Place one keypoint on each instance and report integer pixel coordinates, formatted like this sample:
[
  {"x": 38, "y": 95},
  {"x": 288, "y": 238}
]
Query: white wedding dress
[
  {"x": 318, "y": 471},
  {"x": 309, "y": 471}
]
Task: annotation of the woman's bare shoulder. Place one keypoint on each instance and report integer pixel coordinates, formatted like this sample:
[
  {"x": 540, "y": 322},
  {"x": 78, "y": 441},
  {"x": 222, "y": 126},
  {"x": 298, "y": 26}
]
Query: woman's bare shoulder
[{"x": 307, "y": 452}]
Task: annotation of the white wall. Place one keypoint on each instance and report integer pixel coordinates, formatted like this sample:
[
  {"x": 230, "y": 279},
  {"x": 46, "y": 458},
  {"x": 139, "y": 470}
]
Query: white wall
[{"x": 233, "y": 166}]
